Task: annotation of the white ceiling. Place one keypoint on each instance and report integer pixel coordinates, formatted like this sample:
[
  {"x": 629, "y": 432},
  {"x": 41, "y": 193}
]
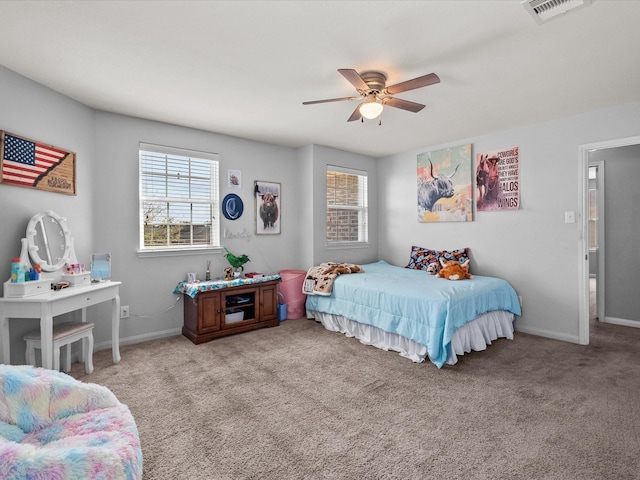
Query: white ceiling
[{"x": 243, "y": 68}]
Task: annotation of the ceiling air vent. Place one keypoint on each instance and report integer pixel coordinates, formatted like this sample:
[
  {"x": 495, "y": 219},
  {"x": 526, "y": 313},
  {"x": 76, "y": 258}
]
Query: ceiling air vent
[{"x": 545, "y": 10}]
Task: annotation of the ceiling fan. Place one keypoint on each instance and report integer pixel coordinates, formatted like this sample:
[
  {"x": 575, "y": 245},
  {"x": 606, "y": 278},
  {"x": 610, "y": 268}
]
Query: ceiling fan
[{"x": 374, "y": 94}]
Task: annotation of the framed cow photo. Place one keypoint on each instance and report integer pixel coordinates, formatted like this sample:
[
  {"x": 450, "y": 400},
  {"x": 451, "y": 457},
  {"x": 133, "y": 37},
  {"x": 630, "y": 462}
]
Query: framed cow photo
[
  {"x": 268, "y": 209},
  {"x": 445, "y": 191}
]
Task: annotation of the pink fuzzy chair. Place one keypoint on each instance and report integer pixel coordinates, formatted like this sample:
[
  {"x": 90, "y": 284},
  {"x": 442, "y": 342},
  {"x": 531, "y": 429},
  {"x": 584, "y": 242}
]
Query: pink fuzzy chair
[{"x": 53, "y": 426}]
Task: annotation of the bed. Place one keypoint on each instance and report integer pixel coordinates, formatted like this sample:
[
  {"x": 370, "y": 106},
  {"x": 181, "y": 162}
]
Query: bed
[{"x": 416, "y": 314}]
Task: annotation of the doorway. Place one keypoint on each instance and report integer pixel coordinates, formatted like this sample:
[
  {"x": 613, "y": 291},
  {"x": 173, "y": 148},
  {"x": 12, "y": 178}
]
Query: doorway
[{"x": 584, "y": 250}]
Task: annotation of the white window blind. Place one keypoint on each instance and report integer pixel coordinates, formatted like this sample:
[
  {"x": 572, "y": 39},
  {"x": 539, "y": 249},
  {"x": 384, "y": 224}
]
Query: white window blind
[
  {"x": 179, "y": 206},
  {"x": 347, "y": 205}
]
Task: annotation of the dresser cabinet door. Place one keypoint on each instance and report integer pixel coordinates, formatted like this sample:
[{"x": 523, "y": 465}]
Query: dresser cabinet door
[
  {"x": 209, "y": 312},
  {"x": 268, "y": 302}
]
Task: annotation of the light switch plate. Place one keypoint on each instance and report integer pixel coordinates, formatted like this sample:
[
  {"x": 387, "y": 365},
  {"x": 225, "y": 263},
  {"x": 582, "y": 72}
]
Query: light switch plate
[{"x": 569, "y": 217}]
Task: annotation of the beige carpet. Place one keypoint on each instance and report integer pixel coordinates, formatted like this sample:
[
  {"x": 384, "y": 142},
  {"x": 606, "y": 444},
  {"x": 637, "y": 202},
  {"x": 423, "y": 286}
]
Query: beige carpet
[{"x": 297, "y": 401}]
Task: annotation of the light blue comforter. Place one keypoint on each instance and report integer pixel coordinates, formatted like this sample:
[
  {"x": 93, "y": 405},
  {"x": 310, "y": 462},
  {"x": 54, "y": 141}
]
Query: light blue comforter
[{"x": 414, "y": 304}]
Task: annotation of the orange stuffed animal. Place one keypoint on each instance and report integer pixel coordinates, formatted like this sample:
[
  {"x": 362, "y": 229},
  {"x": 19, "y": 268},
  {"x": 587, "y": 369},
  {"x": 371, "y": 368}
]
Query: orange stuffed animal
[{"x": 454, "y": 270}]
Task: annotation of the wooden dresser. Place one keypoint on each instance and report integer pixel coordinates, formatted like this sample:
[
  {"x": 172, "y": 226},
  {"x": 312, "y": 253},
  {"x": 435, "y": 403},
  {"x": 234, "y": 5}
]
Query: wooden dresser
[{"x": 226, "y": 311}]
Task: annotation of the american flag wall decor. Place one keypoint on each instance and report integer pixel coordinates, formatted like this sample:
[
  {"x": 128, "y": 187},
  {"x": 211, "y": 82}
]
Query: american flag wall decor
[{"x": 27, "y": 163}]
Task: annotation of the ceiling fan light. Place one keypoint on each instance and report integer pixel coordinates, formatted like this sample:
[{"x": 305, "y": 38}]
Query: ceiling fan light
[{"x": 371, "y": 110}]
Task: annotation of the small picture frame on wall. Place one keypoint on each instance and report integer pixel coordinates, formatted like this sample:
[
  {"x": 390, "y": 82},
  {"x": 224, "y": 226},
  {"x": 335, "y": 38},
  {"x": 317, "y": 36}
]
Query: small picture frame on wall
[
  {"x": 268, "y": 201},
  {"x": 234, "y": 179},
  {"x": 100, "y": 267}
]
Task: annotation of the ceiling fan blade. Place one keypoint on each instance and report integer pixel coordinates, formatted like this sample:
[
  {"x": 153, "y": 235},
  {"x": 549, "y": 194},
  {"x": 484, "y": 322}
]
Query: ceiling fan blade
[
  {"x": 403, "y": 104},
  {"x": 356, "y": 115},
  {"x": 330, "y": 100},
  {"x": 419, "y": 82},
  {"x": 354, "y": 78}
]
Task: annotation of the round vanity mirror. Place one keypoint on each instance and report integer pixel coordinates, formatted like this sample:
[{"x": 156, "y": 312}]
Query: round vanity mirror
[{"x": 49, "y": 241}]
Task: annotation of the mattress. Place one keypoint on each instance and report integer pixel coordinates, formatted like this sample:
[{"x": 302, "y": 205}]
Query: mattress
[{"x": 414, "y": 305}]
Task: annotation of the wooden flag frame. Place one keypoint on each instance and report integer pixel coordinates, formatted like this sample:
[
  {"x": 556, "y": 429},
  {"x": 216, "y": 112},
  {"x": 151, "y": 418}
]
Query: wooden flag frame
[{"x": 31, "y": 164}]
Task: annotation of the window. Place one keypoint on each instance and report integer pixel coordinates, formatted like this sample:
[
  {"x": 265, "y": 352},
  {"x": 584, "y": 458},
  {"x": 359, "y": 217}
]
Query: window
[
  {"x": 179, "y": 207},
  {"x": 347, "y": 214},
  {"x": 593, "y": 208},
  {"x": 593, "y": 219}
]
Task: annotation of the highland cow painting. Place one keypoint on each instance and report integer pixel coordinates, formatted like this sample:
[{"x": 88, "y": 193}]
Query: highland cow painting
[{"x": 444, "y": 187}]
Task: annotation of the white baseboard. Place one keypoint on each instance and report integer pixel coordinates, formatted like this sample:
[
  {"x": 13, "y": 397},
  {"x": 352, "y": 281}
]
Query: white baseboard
[
  {"x": 548, "y": 334},
  {"x": 622, "y": 321},
  {"x": 572, "y": 338},
  {"x": 140, "y": 338}
]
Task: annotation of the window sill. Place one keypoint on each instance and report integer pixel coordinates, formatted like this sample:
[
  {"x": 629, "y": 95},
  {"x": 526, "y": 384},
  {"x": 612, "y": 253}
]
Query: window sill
[
  {"x": 347, "y": 246},
  {"x": 178, "y": 252}
]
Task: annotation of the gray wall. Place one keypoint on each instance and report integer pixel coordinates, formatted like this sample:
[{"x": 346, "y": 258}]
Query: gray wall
[
  {"x": 532, "y": 247},
  {"x": 315, "y": 201},
  {"x": 622, "y": 231},
  {"x": 307, "y": 218},
  {"x": 148, "y": 282},
  {"x": 30, "y": 110}
]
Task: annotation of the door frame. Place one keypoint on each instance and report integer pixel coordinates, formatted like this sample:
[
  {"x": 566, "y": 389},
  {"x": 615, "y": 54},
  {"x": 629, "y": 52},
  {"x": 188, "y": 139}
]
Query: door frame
[{"x": 583, "y": 249}]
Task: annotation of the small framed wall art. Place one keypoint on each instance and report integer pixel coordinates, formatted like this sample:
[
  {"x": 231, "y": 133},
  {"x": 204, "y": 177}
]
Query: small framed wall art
[
  {"x": 268, "y": 201},
  {"x": 234, "y": 179},
  {"x": 232, "y": 206}
]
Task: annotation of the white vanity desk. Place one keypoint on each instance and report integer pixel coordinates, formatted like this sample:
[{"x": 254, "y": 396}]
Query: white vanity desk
[
  {"x": 49, "y": 244},
  {"x": 47, "y": 305}
]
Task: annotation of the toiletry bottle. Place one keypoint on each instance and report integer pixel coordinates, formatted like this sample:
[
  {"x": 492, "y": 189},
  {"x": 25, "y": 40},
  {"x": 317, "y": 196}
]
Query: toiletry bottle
[
  {"x": 20, "y": 275},
  {"x": 15, "y": 268}
]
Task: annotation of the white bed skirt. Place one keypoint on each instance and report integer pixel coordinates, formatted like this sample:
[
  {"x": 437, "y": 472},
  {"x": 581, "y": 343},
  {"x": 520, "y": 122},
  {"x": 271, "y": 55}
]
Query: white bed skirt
[{"x": 475, "y": 335}]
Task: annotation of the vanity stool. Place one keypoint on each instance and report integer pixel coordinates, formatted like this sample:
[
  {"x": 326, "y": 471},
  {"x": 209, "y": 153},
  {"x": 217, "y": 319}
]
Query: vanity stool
[{"x": 64, "y": 334}]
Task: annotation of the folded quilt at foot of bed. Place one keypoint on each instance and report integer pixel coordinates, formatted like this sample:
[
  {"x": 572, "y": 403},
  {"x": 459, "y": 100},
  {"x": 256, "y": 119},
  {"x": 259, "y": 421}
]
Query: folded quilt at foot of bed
[{"x": 319, "y": 279}]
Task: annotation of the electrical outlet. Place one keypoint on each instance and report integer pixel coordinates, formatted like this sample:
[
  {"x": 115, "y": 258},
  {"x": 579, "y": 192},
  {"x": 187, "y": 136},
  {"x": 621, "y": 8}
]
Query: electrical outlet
[{"x": 124, "y": 311}]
